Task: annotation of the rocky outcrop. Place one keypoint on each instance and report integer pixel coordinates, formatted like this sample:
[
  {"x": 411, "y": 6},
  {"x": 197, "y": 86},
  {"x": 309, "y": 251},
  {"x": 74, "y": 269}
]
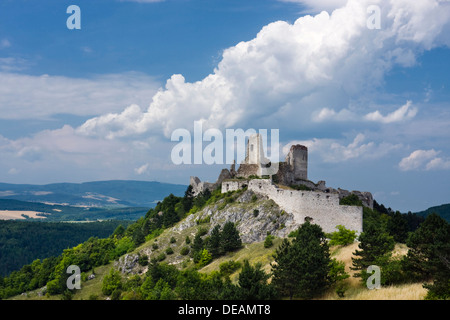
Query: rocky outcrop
[
  {"x": 127, "y": 263},
  {"x": 254, "y": 216}
]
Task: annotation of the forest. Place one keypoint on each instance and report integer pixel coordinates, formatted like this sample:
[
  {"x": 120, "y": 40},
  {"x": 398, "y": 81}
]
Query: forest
[{"x": 21, "y": 242}]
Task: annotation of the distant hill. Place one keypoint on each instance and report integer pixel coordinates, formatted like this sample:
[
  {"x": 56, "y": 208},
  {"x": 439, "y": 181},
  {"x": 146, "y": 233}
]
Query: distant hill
[
  {"x": 70, "y": 213},
  {"x": 442, "y": 210},
  {"x": 114, "y": 193}
]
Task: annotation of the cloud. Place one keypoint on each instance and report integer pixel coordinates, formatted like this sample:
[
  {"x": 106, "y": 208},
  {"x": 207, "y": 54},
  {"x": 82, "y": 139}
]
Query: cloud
[
  {"x": 319, "y": 5},
  {"x": 333, "y": 151},
  {"x": 290, "y": 71},
  {"x": 417, "y": 159},
  {"x": 438, "y": 164},
  {"x": 4, "y": 43},
  {"x": 13, "y": 64},
  {"x": 13, "y": 171},
  {"x": 405, "y": 112},
  {"x": 142, "y": 169},
  {"x": 63, "y": 154},
  {"x": 327, "y": 114},
  {"x": 30, "y": 97}
]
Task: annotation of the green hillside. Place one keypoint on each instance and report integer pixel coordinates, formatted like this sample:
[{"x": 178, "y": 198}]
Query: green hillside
[
  {"x": 442, "y": 210},
  {"x": 210, "y": 247},
  {"x": 22, "y": 242}
]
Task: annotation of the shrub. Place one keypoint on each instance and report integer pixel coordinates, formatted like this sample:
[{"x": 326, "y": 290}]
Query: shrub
[
  {"x": 204, "y": 220},
  {"x": 202, "y": 231},
  {"x": 143, "y": 260},
  {"x": 268, "y": 242},
  {"x": 341, "y": 237},
  {"x": 205, "y": 258},
  {"x": 300, "y": 187},
  {"x": 184, "y": 251},
  {"x": 293, "y": 234},
  {"x": 392, "y": 272},
  {"x": 350, "y": 200},
  {"x": 337, "y": 275},
  {"x": 160, "y": 257},
  {"x": 173, "y": 240},
  {"x": 229, "y": 199},
  {"x": 111, "y": 282},
  {"x": 255, "y": 212},
  {"x": 229, "y": 267},
  {"x": 169, "y": 250}
]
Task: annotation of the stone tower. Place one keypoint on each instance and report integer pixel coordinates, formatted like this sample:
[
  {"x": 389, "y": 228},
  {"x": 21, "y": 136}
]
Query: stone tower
[
  {"x": 255, "y": 151},
  {"x": 297, "y": 160},
  {"x": 255, "y": 160}
]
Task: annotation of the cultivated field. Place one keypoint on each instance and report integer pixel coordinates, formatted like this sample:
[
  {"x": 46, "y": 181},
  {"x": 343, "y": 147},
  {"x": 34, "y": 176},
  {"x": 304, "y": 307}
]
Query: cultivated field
[{"x": 12, "y": 215}]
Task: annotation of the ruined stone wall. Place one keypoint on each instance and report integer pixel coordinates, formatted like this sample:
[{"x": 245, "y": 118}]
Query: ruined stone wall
[
  {"x": 247, "y": 170},
  {"x": 317, "y": 207},
  {"x": 233, "y": 185}
]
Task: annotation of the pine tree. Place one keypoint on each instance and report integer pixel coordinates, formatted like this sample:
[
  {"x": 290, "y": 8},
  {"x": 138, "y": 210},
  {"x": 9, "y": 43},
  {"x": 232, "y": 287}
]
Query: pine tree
[
  {"x": 188, "y": 199},
  {"x": 429, "y": 255},
  {"x": 301, "y": 268},
  {"x": 397, "y": 227},
  {"x": 374, "y": 243},
  {"x": 197, "y": 247},
  {"x": 253, "y": 283},
  {"x": 230, "y": 238},
  {"x": 214, "y": 246}
]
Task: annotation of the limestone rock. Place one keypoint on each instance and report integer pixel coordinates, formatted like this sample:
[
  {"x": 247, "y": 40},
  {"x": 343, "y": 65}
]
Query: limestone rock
[{"x": 127, "y": 263}]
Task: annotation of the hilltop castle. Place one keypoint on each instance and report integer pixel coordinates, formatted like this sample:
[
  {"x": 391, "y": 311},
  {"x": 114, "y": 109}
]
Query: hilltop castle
[{"x": 287, "y": 184}]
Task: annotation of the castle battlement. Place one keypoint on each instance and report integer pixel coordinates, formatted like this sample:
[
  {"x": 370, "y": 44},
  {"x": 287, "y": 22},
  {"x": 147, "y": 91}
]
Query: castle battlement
[{"x": 315, "y": 206}]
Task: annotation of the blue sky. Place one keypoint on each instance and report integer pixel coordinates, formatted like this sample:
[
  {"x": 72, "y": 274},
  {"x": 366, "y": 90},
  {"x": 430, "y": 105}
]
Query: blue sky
[{"x": 101, "y": 102}]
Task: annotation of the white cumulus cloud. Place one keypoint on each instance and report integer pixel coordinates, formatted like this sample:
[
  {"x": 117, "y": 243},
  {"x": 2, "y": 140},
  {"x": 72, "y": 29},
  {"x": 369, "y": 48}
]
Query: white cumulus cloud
[
  {"x": 290, "y": 71},
  {"x": 403, "y": 113},
  {"x": 438, "y": 164},
  {"x": 30, "y": 97},
  {"x": 417, "y": 159}
]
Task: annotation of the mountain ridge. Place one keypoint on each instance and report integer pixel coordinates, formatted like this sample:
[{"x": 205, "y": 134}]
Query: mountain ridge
[
  {"x": 442, "y": 210},
  {"x": 107, "y": 193}
]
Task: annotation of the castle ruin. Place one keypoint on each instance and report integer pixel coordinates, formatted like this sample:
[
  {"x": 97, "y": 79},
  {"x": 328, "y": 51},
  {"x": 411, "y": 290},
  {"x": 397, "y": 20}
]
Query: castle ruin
[{"x": 290, "y": 188}]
